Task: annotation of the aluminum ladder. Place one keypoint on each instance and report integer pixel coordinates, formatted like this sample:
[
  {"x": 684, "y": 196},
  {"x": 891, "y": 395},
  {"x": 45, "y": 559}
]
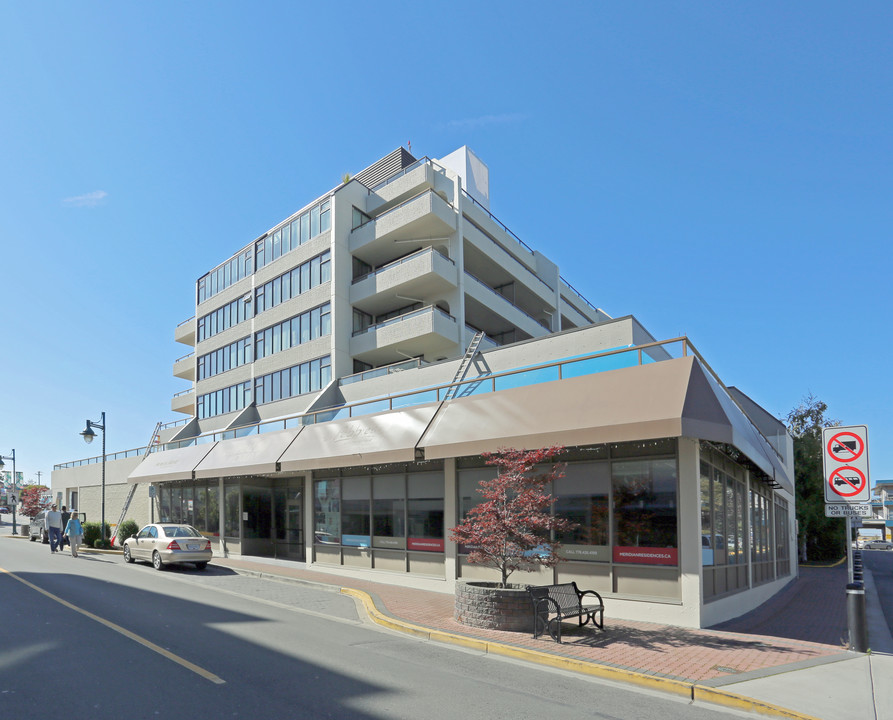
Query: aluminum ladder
[
  {"x": 134, "y": 486},
  {"x": 462, "y": 370}
]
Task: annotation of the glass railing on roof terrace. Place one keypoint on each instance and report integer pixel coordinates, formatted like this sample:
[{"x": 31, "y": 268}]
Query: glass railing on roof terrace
[{"x": 559, "y": 370}]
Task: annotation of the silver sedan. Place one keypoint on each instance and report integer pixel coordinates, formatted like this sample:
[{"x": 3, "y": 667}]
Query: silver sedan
[{"x": 168, "y": 543}]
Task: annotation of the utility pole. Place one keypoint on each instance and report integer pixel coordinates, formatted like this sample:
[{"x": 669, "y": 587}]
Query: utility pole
[{"x": 38, "y": 473}]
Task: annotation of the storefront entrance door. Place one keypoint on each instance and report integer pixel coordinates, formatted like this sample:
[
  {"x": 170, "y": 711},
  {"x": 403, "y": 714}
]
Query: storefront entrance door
[{"x": 288, "y": 510}]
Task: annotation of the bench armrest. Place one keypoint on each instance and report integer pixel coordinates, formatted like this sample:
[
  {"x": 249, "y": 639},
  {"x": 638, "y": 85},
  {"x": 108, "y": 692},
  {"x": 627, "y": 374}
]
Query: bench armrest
[{"x": 583, "y": 593}]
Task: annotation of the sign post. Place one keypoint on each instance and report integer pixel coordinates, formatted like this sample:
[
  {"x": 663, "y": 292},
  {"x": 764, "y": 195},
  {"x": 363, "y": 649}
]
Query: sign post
[{"x": 845, "y": 472}]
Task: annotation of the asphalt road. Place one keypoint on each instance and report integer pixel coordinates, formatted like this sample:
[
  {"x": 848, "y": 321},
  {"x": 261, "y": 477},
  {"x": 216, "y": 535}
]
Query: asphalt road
[{"x": 95, "y": 637}]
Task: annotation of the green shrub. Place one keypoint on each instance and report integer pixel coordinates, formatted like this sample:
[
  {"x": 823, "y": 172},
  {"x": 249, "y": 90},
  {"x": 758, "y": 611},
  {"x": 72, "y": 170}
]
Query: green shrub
[
  {"x": 102, "y": 544},
  {"x": 125, "y": 530},
  {"x": 92, "y": 533}
]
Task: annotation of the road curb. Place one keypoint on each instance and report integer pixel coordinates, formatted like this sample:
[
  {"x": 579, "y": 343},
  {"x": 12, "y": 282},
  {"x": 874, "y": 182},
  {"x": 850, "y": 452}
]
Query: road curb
[{"x": 675, "y": 687}]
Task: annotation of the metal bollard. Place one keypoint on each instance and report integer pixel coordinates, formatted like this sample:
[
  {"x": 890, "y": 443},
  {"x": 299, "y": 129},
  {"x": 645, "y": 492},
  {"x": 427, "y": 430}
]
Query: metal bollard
[{"x": 855, "y": 616}]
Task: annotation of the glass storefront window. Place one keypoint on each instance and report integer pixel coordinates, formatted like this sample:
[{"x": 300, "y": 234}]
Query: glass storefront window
[
  {"x": 200, "y": 514},
  {"x": 582, "y": 497},
  {"x": 232, "y": 498},
  {"x": 213, "y": 511},
  {"x": 389, "y": 511},
  {"x": 176, "y": 505},
  {"x": 327, "y": 511},
  {"x": 707, "y": 538},
  {"x": 355, "y": 496},
  {"x": 425, "y": 512},
  {"x": 645, "y": 512}
]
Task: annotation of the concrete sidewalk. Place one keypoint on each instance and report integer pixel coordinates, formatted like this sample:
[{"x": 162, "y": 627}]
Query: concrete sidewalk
[{"x": 786, "y": 659}]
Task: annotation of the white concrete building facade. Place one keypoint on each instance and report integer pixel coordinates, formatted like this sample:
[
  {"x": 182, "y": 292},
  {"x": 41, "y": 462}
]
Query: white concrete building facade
[{"x": 352, "y": 363}]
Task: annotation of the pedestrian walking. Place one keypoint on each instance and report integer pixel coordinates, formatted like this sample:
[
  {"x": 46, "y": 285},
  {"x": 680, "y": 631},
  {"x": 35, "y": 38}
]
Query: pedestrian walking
[
  {"x": 74, "y": 532},
  {"x": 65, "y": 516},
  {"x": 53, "y": 525}
]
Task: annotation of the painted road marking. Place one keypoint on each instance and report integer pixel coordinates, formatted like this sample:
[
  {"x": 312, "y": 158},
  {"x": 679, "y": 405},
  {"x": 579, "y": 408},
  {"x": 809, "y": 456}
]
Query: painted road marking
[{"x": 207, "y": 675}]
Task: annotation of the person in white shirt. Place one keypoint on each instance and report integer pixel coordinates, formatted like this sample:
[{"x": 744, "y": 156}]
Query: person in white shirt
[{"x": 53, "y": 524}]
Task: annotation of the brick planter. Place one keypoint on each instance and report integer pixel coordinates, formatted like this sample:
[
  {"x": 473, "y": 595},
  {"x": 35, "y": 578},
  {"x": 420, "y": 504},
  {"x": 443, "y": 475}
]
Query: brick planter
[{"x": 484, "y": 605}]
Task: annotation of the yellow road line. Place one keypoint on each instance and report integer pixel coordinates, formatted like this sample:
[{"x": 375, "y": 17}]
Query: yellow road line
[{"x": 123, "y": 631}]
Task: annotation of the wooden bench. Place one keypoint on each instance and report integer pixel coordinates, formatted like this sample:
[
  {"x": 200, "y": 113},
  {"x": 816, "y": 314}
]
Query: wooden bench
[{"x": 552, "y": 604}]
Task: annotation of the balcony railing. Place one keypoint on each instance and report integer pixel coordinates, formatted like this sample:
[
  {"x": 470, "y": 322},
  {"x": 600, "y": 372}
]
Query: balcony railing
[
  {"x": 505, "y": 299},
  {"x": 401, "y": 261},
  {"x": 381, "y": 371},
  {"x": 402, "y": 318},
  {"x": 498, "y": 222}
]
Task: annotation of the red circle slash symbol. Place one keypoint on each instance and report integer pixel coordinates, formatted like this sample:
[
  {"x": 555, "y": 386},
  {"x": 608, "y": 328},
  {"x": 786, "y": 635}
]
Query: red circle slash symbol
[
  {"x": 847, "y": 481},
  {"x": 845, "y": 447}
]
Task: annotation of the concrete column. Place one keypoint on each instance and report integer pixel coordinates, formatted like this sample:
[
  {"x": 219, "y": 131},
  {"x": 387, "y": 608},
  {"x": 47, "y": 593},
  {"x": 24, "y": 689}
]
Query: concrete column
[
  {"x": 689, "y": 529},
  {"x": 450, "y": 519}
]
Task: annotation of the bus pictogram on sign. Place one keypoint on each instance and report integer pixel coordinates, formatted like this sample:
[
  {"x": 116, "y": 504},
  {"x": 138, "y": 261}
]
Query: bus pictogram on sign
[{"x": 847, "y": 481}]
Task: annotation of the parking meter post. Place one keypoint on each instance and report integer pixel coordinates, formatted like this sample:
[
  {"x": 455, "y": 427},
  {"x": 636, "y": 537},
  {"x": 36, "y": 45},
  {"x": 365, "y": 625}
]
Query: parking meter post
[{"x": 855, "y": 615}]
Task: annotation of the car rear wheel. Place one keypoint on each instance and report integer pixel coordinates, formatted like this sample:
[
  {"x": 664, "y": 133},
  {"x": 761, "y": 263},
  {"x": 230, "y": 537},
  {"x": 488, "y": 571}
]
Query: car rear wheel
[
  {"x": 201, "y": 565},
  {"x": 128, "y": 558},
  {"x": 31, "y": 537},
  {"x": 156, "y": 561}
]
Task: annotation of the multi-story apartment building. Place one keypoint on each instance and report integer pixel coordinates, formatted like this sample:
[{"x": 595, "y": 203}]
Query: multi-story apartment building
[
  {"x": 351, "y": 365},
  {"x": 400, "y": 266}
]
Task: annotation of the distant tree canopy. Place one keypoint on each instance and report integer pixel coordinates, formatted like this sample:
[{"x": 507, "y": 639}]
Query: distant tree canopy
[{"x": 819, "y": 538}]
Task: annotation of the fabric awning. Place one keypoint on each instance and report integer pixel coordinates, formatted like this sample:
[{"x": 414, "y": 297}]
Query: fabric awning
[
  {"x": 643, "y": 402},
  {"x": 371, "y": 439},
  {"x": 163, "y": 466},
  {"x": 250, "y": 455},
  {"x": 672, "y": 398}
]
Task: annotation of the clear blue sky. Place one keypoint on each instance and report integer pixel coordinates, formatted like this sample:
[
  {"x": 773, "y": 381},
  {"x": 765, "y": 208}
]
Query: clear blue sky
[{"x": 720, "y": 170}]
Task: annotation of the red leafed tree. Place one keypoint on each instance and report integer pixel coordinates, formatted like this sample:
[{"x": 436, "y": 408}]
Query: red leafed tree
[
  {"x": 31, "y": 500},
  {"x": 512, "y": 529}
]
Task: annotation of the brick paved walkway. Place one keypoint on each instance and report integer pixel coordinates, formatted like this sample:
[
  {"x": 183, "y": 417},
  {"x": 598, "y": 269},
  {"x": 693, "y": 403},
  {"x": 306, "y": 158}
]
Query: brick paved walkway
[{"x": 804, "y": 623}]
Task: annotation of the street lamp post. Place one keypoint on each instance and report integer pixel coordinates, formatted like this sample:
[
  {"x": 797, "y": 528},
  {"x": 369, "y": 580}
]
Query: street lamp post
[
  {"x": 88, "y": 436},
  {"x": 14, "y": 505}
]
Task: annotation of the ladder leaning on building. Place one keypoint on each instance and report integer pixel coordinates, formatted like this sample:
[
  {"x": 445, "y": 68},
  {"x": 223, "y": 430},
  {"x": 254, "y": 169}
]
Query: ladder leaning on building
[{"x": 130, "y": 493}]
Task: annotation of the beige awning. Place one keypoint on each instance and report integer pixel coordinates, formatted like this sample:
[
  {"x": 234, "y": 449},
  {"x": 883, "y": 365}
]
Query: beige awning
[
  {"x": 163, "y": 466},
  {"x": 371, "y": 439},
  {"x": 251, "y": 455},
  {"x": 672, "y": 398},
  {"x": 638, "y": 403}
]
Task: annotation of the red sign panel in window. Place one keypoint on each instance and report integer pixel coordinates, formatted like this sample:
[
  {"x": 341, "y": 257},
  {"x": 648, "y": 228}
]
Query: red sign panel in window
[
  {"x": 426, "y": 544},
  {"x": 646, "y": 555}
]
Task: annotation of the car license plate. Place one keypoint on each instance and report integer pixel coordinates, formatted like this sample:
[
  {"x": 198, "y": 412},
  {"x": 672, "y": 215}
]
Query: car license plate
[{"x": 193, "y": 547}]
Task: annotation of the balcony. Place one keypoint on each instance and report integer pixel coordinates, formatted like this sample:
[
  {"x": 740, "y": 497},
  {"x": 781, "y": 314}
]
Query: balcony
[
  {"x": 185, "y": 332},
  {"x": 492, "y": 310},
  {"x": 414, "y": 222},
  {"x": 426, "y": 274},
  {"x": 184, "y": 367},
  {"x": 184, "y": 402},
  {"x": 429, "y": 332}
]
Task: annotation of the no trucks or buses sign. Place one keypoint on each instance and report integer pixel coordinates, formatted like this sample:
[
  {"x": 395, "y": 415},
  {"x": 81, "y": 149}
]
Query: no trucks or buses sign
[{"x": 845, "y": 462}]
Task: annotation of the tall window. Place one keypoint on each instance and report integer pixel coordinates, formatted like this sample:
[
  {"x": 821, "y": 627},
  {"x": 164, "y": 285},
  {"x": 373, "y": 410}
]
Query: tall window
[
  {"x": 389, "y": 511},
  {"x": 327, "y": 511},
  {"x": 425, "y": 512},
  {"x": 355, "y": 499},
  {"x": 645, "y": 511},
  {"x": 294, "y": 233},
  {"x": 582, "y": 497}
]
